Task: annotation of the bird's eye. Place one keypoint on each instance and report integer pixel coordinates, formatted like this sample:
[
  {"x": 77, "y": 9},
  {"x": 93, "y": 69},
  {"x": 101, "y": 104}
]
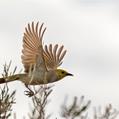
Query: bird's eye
[{"x": 63, "y": 72}]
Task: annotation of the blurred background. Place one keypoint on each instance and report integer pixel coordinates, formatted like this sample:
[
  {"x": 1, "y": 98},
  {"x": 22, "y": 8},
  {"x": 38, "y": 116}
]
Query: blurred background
[{"x": 89, "y": 30}]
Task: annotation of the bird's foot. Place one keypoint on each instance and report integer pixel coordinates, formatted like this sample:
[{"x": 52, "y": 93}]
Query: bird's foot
[{"x": 29, "y": 92}]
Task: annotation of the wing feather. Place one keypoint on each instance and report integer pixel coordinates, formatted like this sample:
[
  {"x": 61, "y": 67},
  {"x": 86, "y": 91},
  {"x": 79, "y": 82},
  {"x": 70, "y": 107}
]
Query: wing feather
[
  {"x": 62, "y": 55},
  {"x": 54, "y": 56},
  {"x": 32, "y": 52}
]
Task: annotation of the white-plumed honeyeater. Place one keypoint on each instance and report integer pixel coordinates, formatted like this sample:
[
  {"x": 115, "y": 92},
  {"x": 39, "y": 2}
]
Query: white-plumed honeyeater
[{"x": 40, "y": 62}]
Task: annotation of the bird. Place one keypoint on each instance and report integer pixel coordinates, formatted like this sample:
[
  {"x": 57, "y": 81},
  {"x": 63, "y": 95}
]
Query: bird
[{"x": 41, "y": 62}]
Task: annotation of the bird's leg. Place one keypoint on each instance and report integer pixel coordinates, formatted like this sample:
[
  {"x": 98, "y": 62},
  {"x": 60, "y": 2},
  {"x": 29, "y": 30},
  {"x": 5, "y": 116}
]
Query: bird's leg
[
  {"x": 29, "y": 92},
  {"x": 31, "y": 73},
  {"x": 45, "y": 79}
]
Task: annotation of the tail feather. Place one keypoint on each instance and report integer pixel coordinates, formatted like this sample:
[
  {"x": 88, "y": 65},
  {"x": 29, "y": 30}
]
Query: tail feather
[
  {"x": 9, "y": 79},
  {"x": 2, "y": 80}
]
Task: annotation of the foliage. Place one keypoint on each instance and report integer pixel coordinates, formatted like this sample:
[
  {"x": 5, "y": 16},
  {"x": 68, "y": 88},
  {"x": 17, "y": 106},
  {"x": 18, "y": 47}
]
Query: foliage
[
  {"x": 7, "y": 99},
  {"x": 107, "y": 113},
  {"x": 40, "y": 101},
  {"x": 76, "y": 109}
]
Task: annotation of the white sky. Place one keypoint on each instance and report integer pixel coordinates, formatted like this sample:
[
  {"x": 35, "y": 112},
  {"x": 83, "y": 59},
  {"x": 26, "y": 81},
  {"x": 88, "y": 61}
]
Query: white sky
[{"x": 89, "y": 29}]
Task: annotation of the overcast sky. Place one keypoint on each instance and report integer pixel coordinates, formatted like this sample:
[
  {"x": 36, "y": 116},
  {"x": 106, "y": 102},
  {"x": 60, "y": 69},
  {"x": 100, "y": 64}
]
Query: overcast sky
[{"x": 89, "y": 30}]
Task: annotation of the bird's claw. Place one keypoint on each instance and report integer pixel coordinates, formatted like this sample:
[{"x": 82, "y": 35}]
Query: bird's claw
[{"x": 29, "y": 93}]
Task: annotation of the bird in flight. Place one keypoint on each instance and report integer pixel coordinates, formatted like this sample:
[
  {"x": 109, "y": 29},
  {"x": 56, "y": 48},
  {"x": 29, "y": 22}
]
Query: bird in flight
[{"x": 40, "y": 62}]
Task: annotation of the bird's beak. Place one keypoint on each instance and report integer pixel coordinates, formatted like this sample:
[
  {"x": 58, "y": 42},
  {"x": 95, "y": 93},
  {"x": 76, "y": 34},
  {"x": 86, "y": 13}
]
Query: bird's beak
[{"x": 69, "y": 74}]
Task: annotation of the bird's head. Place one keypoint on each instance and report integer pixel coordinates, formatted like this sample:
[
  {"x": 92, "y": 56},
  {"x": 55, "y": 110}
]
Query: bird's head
[{"x": 62, "y": 73}]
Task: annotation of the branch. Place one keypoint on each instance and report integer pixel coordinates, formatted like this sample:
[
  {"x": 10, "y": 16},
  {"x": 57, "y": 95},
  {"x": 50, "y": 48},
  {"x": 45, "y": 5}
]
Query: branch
[
  {"x": 6, "y": 101},
  {"x": 40, "y": 101},
  {"x": 107, "y": 113},
  {"x": 76, "y": 109}
]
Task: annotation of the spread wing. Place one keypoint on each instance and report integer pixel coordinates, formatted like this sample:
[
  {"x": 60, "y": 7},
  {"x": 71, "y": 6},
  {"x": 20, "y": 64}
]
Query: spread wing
[
  {"x": 32, "y": 53},
  {"x": 53, "y": 56}
]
